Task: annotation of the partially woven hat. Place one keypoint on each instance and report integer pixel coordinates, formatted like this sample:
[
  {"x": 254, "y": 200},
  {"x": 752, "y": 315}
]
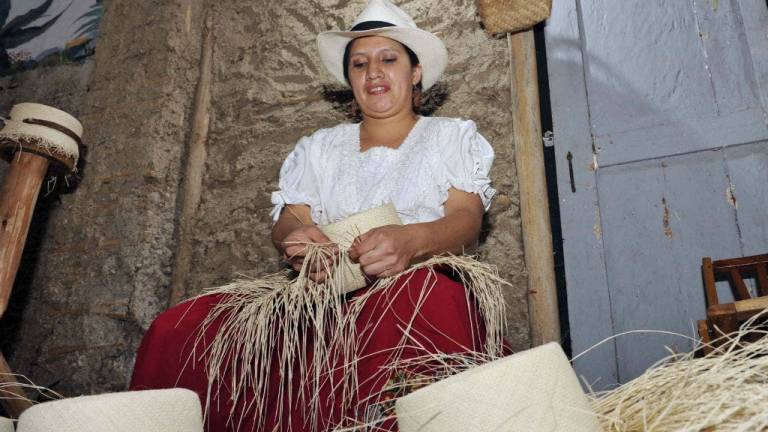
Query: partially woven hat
[
  {"x": 345, "y": 231},
  {"x": 42, "y": 129},
  {"x": 6, "y": 424},
  {"x": 168, "y": 410},
  {"x": 534, "y": 390}
]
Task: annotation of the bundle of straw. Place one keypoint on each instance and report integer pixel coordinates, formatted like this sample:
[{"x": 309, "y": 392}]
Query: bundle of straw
[
  {"x": 726, "y": 390},
  {"x": 309, "y": 319}
]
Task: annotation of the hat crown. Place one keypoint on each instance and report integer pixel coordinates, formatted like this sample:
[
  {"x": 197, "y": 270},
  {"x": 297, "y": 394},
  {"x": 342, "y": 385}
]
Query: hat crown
[{"x": 384, "y": 10}]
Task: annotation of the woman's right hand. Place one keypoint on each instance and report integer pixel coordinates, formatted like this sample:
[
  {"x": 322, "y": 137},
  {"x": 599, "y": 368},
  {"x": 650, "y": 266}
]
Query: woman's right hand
[{"x": 295, "y": 249}]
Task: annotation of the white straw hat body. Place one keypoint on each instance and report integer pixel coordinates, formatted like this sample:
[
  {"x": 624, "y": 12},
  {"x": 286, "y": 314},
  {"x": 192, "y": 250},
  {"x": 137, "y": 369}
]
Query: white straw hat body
[
  {"x": 534, "y": 390},
  {"x": 168, "y": 410},
  {"x": 6, "y": 424},
  {"x": 430, "y": 50}
]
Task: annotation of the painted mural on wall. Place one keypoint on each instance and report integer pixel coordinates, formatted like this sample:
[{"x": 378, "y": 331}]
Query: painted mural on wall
[{"x": 45, "y": 32}]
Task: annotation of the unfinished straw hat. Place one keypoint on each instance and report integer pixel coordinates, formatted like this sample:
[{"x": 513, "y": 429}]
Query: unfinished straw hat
[
  {"x": 43, "y": 130},
  {"x": 345, "y": 231},
  {"x": 168, "y": 410},
  {"x": 382, "y": 18},
  {"x": 534, "y": 390}
]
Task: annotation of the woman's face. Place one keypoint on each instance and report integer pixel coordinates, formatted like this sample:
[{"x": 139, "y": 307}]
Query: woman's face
[{"x": 381, "y": 76}]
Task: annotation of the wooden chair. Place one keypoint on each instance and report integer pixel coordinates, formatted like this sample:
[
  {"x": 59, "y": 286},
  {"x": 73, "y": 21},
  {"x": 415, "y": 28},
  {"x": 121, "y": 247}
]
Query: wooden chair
[{"x": 725, "y": 318}]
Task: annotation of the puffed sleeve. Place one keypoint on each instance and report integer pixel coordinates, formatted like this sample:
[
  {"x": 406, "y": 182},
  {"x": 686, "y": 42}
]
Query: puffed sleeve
[
  {"x": 298, "y": 180},
  {"x": 468, "y": 161}
]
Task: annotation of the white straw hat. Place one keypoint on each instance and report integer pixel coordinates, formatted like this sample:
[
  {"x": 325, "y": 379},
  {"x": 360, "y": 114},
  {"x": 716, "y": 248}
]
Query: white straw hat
[
  {"x": 534, "y": 390},
  {"x": 42, "y": 129},
  {"x": 168, "y": 410},
  {"x": 382, "y": 18}
]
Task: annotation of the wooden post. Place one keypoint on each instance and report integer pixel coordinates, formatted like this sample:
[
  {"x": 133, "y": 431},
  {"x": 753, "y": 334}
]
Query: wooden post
[
  {"x": 534, "y": 207},
  {"x": 17, "y": 203}
]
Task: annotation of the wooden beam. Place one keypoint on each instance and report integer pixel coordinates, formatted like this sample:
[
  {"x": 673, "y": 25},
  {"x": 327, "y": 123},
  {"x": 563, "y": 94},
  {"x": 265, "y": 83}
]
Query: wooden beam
[
  {"x": 18, "y": 196},
  {"x": 534, "y": 206}
]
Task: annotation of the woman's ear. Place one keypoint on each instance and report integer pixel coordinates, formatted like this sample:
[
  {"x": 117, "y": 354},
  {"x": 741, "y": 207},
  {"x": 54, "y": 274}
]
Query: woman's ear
[{"x": 416, "y": 74}]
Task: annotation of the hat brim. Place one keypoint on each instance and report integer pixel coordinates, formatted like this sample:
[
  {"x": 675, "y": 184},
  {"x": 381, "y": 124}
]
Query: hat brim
[{"x": 428, "y": 48}]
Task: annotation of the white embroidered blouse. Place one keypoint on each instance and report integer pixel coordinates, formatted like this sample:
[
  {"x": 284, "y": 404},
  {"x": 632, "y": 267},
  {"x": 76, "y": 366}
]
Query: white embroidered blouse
[{"x": 328, "y": 172}]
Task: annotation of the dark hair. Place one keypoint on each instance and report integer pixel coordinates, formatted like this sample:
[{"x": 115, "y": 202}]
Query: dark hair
[{"x": 345, "y": 60}]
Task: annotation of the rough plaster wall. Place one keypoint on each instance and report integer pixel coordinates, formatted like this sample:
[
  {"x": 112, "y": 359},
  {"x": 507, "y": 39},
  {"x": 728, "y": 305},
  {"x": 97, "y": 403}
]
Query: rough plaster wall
[
  {"x": 267, "y": 94},
  {"x": 103, "y": 266}
]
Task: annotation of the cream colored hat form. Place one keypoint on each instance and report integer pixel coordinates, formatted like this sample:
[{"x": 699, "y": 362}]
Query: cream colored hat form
[
  {"x": 44, "y": 130},
  {"x": 6, "y": 424},
  {"x": 428, "y": 48},
  {"x": 345, "y": 231},
  {"x": 168, "y": 410},
  {"x": 534, "y": 390}
]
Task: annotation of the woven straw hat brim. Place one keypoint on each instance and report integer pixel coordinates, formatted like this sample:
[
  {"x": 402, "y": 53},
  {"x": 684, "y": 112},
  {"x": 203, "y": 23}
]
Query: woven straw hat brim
[
  {"x": 428, "y": 48},
  {"x": 534, "y": 390},
  {"x": 167, "y": 410},
  {"x": 6, "y": 424}
]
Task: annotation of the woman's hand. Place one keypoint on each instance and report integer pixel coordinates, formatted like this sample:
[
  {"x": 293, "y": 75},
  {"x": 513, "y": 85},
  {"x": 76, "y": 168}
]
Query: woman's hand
[
  {"x": 295, "y": 249},
  {"x": 384, "y": 251}
]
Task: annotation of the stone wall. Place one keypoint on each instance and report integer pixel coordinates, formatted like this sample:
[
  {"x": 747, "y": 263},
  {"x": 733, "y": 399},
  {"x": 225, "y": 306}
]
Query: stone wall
[{"x": 104, "y": 265}]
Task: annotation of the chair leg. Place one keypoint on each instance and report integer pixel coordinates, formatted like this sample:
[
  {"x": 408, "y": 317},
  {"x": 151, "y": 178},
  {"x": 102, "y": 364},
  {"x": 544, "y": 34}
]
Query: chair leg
[
  {"x": 706, "y": 339},
  {"x": 12, "y": 396}
]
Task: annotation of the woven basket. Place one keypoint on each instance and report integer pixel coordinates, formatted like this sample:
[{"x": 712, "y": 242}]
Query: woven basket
[{"x": 507, "y": 16}]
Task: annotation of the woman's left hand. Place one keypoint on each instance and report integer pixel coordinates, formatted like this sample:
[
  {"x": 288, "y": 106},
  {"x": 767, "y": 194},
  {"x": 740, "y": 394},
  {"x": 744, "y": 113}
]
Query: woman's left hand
[{"x": 384, "y": 251}]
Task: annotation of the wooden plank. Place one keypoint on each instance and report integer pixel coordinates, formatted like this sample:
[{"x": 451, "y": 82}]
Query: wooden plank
[
  {"x": 686, "y": 85},
  {"x": 654, "y": 240},
  {"x": 748, "y": 172},
  {"x": 589, "y": 310},
  {"x": 754, "y": 14},
  {"x": 636, "y": 82},
  {"x": 742, "y": 293},
  {"x": 739, "y": 262},
  {"x": 708, "y": 275},
  {"x": 680, "y": 136},
  {"x": 727, "y": 56},
  {"x": 762, "y": 279},
  {"x": 534, "y": 211},
  {"x": 751, "y": 306}
]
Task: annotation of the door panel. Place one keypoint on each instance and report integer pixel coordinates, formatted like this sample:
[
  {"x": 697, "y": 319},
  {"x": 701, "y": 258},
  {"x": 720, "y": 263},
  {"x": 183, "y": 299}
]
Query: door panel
[
  {"x": 659, "y": 218},
  {"x": 659, "y": 115},
  {"x": 748, "y": 172}
]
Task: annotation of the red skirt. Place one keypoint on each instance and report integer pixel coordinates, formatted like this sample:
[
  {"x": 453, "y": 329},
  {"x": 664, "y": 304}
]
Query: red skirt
[{"x": 435, "y": 310}]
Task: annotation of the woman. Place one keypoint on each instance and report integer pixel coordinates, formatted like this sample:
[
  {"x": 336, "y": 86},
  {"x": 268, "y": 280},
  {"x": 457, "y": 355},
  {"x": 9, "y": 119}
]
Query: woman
[{"x": 434, "y": 171}]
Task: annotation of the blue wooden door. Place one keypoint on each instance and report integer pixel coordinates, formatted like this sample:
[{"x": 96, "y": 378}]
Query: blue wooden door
[{"x": 661, "y": 138}]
